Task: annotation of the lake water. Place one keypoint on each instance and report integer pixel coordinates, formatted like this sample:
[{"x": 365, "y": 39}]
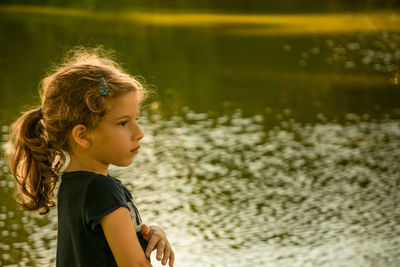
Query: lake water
[{"x": 267, "y": 144}]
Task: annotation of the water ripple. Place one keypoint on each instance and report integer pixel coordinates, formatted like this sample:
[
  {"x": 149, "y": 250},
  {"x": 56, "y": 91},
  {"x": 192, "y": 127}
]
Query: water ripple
[{"x": 231, "y": 192}]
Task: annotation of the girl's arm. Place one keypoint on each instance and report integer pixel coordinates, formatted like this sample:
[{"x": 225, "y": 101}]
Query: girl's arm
[{"x": 121, "y": 237}]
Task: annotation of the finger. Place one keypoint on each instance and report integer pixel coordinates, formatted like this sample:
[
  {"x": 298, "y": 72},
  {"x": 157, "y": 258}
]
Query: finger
[
  {"x": 171, "y": 258},
  {"x": 160, "y": 249},
  {"x": 167, "y": 253},
  {"x": 145, "y": 229},
  {"x": 150, "y": 246}
]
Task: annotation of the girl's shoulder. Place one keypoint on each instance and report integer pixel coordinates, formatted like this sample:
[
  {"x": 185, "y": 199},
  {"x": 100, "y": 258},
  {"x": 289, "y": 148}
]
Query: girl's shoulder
[
  {"x": 93, "y": 182},
  {"x": 108, "y": 183},
  {"x": 88, "y": 175}
]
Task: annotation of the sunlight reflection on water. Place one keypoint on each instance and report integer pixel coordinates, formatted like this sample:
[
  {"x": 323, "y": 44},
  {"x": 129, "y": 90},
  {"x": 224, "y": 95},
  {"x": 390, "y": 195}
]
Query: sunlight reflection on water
[{"x": 249, "y": 24}]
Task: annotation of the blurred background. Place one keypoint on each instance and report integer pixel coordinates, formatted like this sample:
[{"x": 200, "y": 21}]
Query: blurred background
[{"x": 273, "y": 138}]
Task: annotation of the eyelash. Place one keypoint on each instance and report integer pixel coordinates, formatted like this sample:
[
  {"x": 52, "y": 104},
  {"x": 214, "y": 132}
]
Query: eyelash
[{"x": 123, "y": 123}]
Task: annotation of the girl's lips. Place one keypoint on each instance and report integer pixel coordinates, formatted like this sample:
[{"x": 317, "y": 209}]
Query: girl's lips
[{"x": 135, "y": 149}]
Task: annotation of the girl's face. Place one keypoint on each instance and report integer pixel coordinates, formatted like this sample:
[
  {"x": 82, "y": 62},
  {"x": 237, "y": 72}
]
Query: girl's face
[{"x": 118, "y": 135}]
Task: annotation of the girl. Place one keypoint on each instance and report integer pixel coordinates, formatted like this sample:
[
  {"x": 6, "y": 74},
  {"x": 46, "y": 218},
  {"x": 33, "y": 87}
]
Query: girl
[{"x": 89, "y": 112}]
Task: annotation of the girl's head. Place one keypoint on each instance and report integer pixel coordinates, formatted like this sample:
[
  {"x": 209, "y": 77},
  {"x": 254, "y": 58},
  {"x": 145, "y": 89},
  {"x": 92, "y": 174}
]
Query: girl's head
[{"x": 70, "y": 96}]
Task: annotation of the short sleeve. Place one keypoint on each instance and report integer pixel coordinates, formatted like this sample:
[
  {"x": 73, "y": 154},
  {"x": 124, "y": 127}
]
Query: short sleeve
[{"x": 103, "y": 196}]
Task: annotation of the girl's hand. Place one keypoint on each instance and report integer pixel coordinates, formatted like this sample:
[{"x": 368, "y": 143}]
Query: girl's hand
[{"x": 157, "y": 239}]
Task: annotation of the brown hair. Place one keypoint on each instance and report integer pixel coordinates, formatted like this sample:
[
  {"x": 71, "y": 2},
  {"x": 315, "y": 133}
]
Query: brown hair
[{"x": 70, "y": 95}]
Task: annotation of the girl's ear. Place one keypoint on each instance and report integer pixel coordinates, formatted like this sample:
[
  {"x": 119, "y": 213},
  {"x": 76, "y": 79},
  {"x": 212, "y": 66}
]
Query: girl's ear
[{"x": 80, "y": 136}]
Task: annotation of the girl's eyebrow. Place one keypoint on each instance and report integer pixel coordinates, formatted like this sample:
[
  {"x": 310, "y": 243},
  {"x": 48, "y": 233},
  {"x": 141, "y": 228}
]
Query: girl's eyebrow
[
  {"x": 122, "y": 117},
  {"x": 126, "y": 116}
]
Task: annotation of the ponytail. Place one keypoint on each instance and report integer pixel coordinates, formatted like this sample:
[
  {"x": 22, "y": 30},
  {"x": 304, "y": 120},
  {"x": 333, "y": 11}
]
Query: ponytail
[{"x": 33, "y": 162}]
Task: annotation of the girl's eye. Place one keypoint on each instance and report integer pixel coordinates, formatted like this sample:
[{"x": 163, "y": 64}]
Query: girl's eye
[
  {"x": 137, "y": 118},
  {"x": 123, "y": 123}
]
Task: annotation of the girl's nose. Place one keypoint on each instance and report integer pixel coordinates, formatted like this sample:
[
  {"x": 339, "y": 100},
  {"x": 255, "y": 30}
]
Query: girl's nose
[{"x": 137, "y": 133}]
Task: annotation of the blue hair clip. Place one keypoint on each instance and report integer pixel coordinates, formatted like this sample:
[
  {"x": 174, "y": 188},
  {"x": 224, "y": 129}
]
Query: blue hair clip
[{"x": 103, "y": 81}]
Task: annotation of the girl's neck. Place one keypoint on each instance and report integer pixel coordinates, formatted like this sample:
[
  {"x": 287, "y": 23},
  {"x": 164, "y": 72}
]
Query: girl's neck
[{"x": 77, "y": 165}]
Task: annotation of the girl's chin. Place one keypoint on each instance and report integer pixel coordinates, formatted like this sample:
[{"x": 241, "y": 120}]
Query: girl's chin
[
  {"x": 123, "y": 164},
  {"x": 129, "y": 162}
]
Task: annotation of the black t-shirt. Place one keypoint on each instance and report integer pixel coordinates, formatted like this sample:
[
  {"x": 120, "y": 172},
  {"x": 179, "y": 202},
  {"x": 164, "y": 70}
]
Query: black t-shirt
[{"x": 84, "y": 198}]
